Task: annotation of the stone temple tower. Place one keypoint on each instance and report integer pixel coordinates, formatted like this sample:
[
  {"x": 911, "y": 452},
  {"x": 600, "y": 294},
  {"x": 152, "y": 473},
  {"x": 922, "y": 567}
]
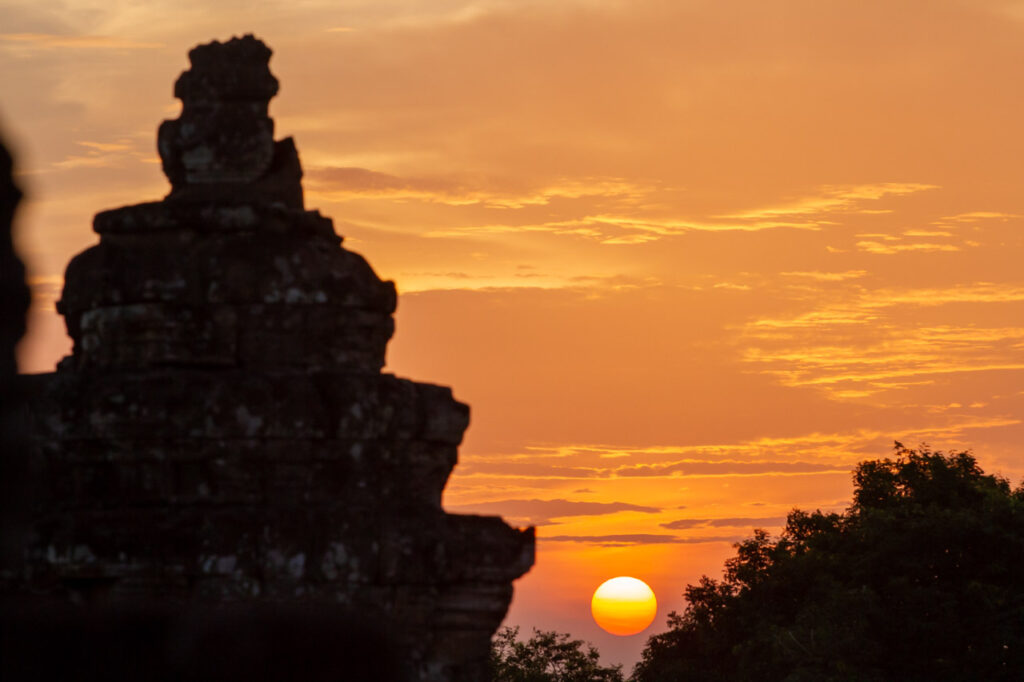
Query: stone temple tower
[{"x": 222, "y": 431}]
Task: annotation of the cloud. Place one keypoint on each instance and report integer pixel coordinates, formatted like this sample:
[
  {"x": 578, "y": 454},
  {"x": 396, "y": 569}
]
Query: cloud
[
  {"x": 544, "y": 512},
  {"x": 122, "y": 146},
  {"x": 675, "y": 469},
  {"x": 818, "y": 276},
  {"x": 890, "y": 353},
  {"x": 730, "y": 468},
  {"x": 627, "y": 212},
  {"x": 808, "y": 213},
  {"x": 606, "y": 228},
  {"x": 684, "y": 524},
  {"x": 627, "y": 539},
  {"x": 614, "y": 282},
  {"x": 90, "y": 161},
  {"x": 758, "y": 521},
  {"x": 785, "y": 458},
  {"x": 927, "y": 233},
  {"x": 834, "y": 199},
  {"x": 977, "y": 292},
  {"x": 856, "y": 342},
  {"x": 889, "y": 249},
  {"x": 446, "y": 275},
  {"x": 667, "y": 227},
  {"x": 865, "y": 307},
  {"x": 349, "y": 183},
  {"x": 340, "y": 182},
  {"x": 120, "y": 154},
  {"x": 49, "y": 41},
  {"x": 630, "y": 239},
  {"x": 45, "y": 290},
  {"x": 804, "y": 454},
  {"x": 570, "y": 227},
  {"x": 980, "y": 215},
  {"x": 525, "y": 469}
]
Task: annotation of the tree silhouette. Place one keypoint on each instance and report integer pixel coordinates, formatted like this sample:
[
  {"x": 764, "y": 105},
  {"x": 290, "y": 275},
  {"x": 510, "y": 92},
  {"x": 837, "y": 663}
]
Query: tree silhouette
[
  {"x": 921, "y": 578},
  {"x": 547, "y": 656}
]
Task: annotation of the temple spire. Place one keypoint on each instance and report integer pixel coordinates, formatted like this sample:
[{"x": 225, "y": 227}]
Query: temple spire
[{"x": 223, "y": 142}]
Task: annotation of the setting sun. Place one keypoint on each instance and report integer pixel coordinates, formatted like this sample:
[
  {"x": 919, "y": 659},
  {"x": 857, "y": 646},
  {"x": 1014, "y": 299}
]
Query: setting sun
[{"x": 624, "y": 606}]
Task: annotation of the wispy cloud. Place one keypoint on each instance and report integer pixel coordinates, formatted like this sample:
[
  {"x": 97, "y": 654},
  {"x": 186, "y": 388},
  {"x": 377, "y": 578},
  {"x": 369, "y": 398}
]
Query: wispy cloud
[
  {"x": 45, "y": 290},
  {"x": 543, "y": 512},
  {"x": 121, "y": 146},
  {"x": 833, "y": 199},
  {"x": 50, "y": 41},
  {"x": 797, "y": 455},
  {"x": 860, "y": 342},
  {"x": 814, "y": 212},
  {"x": 819, "y": 276},
  {"x": 975, "y": 216},
  {"x": 628, "y": 539},
  {"x": 864, "y": 307},
  {"x": 350, "y": 183},
  {"x": 695, "y": 468},
  {"x": 808, "y": 213},
  {"x": 611, "y": 229},
  {"x": 664, "y": 227},
  {"x": 927, "y": 233},
  {"x": 610, "y": 210},
  {"x": 734, "y": 522},
  {"x": 105, "y": 155},
  {"x": 784, "y": 457},
  {"x": 888, "y": 249},
  {"x": 977, "y": 292}
]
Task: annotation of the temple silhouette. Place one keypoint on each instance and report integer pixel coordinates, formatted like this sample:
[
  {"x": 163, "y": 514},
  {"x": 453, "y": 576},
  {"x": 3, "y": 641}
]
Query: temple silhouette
[{"x": 222, "y": 433}]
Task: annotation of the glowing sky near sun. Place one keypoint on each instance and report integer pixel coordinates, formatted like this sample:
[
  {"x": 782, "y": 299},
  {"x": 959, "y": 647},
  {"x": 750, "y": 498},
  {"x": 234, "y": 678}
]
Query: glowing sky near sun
[{"x": 687, "y": 260}]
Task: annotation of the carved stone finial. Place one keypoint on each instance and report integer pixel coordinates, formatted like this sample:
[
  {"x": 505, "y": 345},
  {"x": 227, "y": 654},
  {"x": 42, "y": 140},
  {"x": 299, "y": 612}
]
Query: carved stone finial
[
  {"x": 223, "y": 142},
  {"x": 227, "y": 72}
]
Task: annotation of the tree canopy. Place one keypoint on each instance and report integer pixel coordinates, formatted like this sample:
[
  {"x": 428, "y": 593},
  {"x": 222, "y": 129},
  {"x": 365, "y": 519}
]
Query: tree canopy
[
  {"x": 921, "y": 578},
  {"x": 546, "y": 657}
]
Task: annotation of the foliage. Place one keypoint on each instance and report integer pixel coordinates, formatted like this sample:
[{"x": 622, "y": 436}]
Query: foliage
[
  {"x": 547, "y": 657},
  {"x": 921, "y": 578}
]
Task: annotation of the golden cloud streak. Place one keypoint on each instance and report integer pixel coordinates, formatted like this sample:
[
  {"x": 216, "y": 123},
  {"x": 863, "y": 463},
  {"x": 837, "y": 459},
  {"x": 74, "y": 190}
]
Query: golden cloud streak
[
  {"x": 980, "y": 215},
  {"x": 664, "y": 227},
  {"x": 108, "y": 146},
  {"x": 801, "y": 455},
  {"x": 872, "y": 345},
  {"x": 818, "y": 276},
  {"x": 868, "y": 306},
  {"x": 341, "y": 184},
  {"x": 890, "y": 249},
  {"x": 833, "y": 199}
]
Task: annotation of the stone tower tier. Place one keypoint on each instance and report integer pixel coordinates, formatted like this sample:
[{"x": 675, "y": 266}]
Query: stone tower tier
[{"x": 224, "y": 284}]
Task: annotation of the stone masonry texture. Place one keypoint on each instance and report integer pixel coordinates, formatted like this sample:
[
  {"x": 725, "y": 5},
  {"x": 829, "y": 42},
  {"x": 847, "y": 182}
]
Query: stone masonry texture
[{"x": 222, "y": 432}]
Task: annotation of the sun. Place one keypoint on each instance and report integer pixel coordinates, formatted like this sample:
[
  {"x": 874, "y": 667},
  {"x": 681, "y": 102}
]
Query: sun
[{"x": 624, "y": 606}]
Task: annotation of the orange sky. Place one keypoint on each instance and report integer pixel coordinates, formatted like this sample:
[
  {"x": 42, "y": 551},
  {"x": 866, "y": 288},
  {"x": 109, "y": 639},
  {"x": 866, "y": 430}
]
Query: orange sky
[{"x": 688, "y": 261}]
